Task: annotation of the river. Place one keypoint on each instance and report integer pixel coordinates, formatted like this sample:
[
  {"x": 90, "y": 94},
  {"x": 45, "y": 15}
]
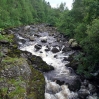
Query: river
[{"x": 60, "y": 82}]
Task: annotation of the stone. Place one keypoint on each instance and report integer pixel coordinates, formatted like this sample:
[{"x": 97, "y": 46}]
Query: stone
[
  {"x": 70, "y": 41},
  {"x": 37, "y": 35},
  {"x": 91, "y": 88},
  {"x": 5, "y": 50},
  {"x": 65, "y": 49},
  {"x": 38, "y": 63},
  {"x": 47, "y": 49},
  {"x": 4, "y": 42},
  {"x": 27, "y": 28},
  {"x": 55, "y": 50},
  {"x": 74, "y": 44},
  {"x": 43, "y": 39},
  {"x": 38, "y": 47},
  {"x": 31, "y": 38},
  {"x": 83, "y": 92}
]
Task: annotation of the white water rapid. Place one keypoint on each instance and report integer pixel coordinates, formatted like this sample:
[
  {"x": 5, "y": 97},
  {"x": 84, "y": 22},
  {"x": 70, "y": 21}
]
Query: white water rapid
[{"x": 52, "y": 89}]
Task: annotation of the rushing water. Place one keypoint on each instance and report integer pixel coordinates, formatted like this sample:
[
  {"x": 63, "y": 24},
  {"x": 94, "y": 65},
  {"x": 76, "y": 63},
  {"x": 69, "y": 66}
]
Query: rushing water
[{"x": 60, "y": 72}]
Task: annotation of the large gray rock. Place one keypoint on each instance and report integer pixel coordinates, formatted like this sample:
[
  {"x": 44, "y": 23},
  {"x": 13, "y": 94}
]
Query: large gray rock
[
  {"x": 38, "y": 63},
  {"x": 27, "y": 28},
  {"x": 74, "y": 44}
]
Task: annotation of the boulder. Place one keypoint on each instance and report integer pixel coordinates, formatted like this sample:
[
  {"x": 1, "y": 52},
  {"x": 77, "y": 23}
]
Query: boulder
[
  {"x": 38, "y": 63},
  {"x": 65, "y": 49},
  {"x": 37, "y": 35},
  {"x": 43, "y": 39},
  {"x": 31, "y": 38},
  {"x": 70, "y": 41},
  {"x": 4, "y": 42},
  {"x": 38, "y": 47},
  {"x": 74, "y": 85},
  {"x": 83, "y": 92},
  {"x": 73, "y": 44},
  {"x": 55, "y": 50},
  {"x": 27, "y": 28},
  {"x": 91, "y": 88}
]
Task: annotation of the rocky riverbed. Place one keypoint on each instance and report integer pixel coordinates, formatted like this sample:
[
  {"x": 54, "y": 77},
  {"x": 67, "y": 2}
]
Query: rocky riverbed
[{"x": 41, "y": 52}]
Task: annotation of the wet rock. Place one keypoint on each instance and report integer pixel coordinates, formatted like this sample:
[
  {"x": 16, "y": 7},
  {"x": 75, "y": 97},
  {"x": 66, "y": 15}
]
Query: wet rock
[
  {"x": 60, "y": 82},
  {"x": 38, "y": 63},
  {"x": 94, "y": 96},
  {"x": 73, "y": 63},
  {"x": 47, "y": 49},
  {"x": 31, "y": 38},
  {"x": 73, "y": 82},
  {"x": 91, "y": 88},
  {"x": 37, "y": 35},
  {"x": 22, "y": 41},
  {"x": 66, "y": 49},
  {"x": 43, "y": 39},
  {"x": 65, "y": 59},
  {"x": 83, "y": 92},
  {"x": 55, "y": 50},
  {"x": 74, "y": 85},
  {"x": 38, "y": 47},
  {"x": 55, "y": 56}
]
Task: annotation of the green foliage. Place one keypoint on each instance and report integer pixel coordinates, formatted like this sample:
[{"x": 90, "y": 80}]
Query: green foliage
[
  {"x": 20, "y": 12},
  {"x": 82, "y": 23},
  {"x": 91, "y": 46}
]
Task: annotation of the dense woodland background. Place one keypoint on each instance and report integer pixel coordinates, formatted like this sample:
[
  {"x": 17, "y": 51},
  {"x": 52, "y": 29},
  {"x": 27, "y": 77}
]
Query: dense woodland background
[{"x": 81, "y": 23}]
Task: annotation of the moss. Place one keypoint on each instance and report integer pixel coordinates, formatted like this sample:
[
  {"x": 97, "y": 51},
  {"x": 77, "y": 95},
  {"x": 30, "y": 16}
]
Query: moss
[
  {"x": 8, "y": 38},
  {"x": 40, "y": 64},
  {"x": 14, "y": 52},
  {"x": 9, "y": 62},
  {"x": 17, "y": 91},
  {"x": 36, "y": 84}
]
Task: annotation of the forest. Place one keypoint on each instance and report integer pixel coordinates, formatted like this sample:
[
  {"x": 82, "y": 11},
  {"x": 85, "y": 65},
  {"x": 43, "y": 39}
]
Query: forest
[{"x": 80, "y": 23}]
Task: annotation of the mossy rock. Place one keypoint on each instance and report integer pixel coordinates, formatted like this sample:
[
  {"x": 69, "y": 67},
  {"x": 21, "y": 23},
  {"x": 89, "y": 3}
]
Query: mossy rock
[
  {"x": 23, "y": 84},
  {"x": 71, "y": 41},
  {"x": 38, "y": 63},
  {"x": 6, "y": 38},
  {"x": 36, "y": 85},
  {"x": 18, "y": 78}
]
